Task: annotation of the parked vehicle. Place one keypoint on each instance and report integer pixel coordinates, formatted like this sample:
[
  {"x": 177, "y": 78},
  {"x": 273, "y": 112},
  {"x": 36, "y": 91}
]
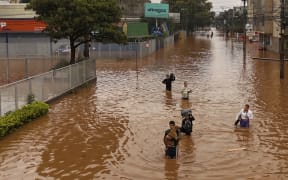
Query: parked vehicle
[{"x": 63, "y": 49}]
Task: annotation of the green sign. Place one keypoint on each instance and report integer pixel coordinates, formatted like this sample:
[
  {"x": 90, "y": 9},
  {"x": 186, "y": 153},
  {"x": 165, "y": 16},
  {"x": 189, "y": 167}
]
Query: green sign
[
  {"x": 137, "y": 30},
  {"x": 157, "y": 10}
]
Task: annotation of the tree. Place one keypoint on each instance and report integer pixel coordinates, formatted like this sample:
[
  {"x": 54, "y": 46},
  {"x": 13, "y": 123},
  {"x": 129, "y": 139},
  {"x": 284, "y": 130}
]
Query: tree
[
  {"x": 79, "y": 20},
  {"x": 230, "y": 21},
  {"x": 194, "y": 13}
]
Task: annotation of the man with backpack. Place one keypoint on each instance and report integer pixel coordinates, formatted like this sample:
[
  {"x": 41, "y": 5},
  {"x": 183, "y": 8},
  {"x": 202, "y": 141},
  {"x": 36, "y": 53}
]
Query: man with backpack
[{"x": 187, "y": 121}]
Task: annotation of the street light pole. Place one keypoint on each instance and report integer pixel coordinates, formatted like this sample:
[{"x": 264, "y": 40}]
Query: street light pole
[
  {"x": 7, "y": 45},
  {"x": 244, "y": 22},
  {"x": 282, "y": 39}
]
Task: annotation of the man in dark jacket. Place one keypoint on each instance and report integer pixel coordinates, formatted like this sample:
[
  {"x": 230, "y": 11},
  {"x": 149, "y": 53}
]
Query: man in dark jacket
[
  {"x": 187, "y": 121},
  {"x": 168, "y": 81}
]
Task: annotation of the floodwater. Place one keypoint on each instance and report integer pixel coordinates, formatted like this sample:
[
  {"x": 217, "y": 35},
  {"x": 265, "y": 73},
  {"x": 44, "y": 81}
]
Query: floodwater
[{"x": 113, "y": 129}]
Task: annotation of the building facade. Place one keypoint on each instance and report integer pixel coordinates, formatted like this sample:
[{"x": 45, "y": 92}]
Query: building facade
[
  {"x": 264, "y": 15},
  {"x": 132, "y": 8}
]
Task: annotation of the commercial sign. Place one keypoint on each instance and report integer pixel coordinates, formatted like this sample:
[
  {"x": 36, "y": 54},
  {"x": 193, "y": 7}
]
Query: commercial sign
[
  {"x": 137, "y": 29},
  {"x": 21, "y": 25},
  {"x": 3, "y": 24},
  {"x": 175, "y": 17},
  {"x": 157, "y": 10}
]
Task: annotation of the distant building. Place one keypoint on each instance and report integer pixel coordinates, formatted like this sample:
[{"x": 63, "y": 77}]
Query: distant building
[
  {"x": 15, "y": 11},
  {"x": 9, "y": 1},
  {"x": 133, "y": 8},
  {"x": 14, "y": 18},
  {"x": 4, "y": 2},
  {"x": 264, "y": 16}
]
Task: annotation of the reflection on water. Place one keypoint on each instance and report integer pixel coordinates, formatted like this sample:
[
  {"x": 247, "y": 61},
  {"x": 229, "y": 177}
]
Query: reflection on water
[
  {"x": 186, "y": 104},
  {"x": 114, "y": 129},
  {"x": 171, "y": 169}
]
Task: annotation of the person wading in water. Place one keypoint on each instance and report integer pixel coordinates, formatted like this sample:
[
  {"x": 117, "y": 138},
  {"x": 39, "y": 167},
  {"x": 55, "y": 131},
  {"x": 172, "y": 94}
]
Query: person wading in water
[
  {"x": 168, "y": 81},
  {"x": 244, "y": 117},
  {"x": 171, "y": 139},
  {"x": 185, "y": 91}
]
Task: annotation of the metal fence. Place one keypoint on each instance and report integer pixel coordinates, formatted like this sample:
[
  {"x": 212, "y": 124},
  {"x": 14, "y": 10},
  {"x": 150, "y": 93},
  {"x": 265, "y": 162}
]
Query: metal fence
[
  {"x": 121, "y": 51},
  {"x": 169, "y": 41},
  {"x": 53, "y": 83},
  {"x": 46, "y": 86},
  {"x": 26, "y": 45},
  {"x": 15, "y": 69},
  {"x": 129, "y": 51},
  {"x": 29, "y": 63}
]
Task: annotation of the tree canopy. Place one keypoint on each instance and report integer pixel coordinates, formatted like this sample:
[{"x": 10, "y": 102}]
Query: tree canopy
[
  {"x": 79, "y": 20},
  {"x": 194, "y": 13},
  {"x": 230, "y": 21}
]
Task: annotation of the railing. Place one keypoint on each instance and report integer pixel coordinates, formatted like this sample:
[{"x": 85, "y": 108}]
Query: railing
[
  {"x": 120, "y": 51},
  {"x": 46, "y": 86},
  {"x": 15, "y": 69},
  {"x": 27, "y": 45},
  {"x": 51, "y": 84}
]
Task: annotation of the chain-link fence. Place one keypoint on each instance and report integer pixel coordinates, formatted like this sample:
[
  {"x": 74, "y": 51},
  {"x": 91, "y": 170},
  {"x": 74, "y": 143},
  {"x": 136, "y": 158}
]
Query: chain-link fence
[
  {"x": 47, "y": 86},
  {"x": 121, "y": 51},
  {"x": 20, "y": 45},
  {"x": 27, "y": 62},
  {"x": 53, "y": 83},
  {"x": 15, "y": 69},
  {"x": 130, "y": 50},
  {"x": 27, "y": 45}
]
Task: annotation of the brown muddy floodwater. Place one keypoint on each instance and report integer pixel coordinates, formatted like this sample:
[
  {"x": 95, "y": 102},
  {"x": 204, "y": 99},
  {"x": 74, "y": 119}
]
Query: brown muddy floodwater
[{"x": 113, "y": 129}]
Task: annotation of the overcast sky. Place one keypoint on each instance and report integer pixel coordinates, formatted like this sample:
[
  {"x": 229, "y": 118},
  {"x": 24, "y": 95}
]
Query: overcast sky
[{"x": 219, "y": 5}]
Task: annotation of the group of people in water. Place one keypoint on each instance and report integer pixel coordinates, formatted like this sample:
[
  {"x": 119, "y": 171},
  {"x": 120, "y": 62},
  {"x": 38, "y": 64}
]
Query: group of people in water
[
  {"x": 171, "y": 136},
  {"x": 168, "y": 82}
]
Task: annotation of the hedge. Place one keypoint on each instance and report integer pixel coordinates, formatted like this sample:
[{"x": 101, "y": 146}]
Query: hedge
[{"x": 16, "y": 119}]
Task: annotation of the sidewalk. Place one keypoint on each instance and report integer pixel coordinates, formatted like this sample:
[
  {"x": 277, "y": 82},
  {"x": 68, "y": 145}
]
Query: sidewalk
[{"x": 255, "y": 53}]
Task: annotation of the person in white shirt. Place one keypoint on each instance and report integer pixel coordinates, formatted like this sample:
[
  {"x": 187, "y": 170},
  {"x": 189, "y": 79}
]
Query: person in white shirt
[
  {"x": 185, "y": 91},
  {"x": 244, "y": 116}
]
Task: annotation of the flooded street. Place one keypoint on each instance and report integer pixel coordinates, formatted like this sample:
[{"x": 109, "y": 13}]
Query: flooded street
[{"x": 113, "y": 129}]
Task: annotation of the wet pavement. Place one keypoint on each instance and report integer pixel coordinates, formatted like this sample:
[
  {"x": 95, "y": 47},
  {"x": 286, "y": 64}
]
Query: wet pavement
[{"x": 113, "y": 129}]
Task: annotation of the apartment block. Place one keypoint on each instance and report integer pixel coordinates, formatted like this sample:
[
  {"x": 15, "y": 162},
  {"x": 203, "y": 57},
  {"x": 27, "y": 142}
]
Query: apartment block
[{"x": 264, "y": 15}]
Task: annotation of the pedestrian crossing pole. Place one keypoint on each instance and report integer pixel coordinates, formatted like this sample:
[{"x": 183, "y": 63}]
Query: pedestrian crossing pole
[{"x": 282, "y": 39}]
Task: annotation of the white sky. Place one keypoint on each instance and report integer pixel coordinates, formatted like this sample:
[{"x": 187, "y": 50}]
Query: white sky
[{"x": 219, "y": 5}]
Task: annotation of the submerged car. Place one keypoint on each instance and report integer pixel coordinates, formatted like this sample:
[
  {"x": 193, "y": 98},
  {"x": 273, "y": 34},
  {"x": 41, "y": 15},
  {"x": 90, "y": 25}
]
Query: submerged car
[{"x": 63, "y": 49}]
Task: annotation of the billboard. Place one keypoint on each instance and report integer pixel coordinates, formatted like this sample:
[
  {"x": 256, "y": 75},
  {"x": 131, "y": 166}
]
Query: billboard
[
  {"x": 21, "y": 25},
  {"x": 137, "y": 29},
  {"x": 157, "y": 10},
  {"x": 175, "y": 17}
]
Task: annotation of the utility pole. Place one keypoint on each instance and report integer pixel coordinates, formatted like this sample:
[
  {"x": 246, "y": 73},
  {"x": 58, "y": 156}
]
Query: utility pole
[
  {"x": 244, "y": 22},
  {"x": 282, "y": 38}
]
